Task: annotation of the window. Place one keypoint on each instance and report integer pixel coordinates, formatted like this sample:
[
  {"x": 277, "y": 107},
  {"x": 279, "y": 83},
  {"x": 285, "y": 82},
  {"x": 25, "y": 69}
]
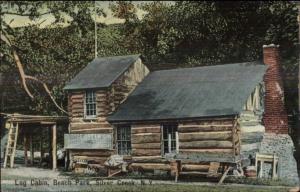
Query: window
[
  {"x": 170, "y": 144},
  {"x": 124, "y": 140},
  {"x": 90, "y": 104}
]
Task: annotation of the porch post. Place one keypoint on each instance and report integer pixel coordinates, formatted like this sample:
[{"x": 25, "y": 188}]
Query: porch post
[
  {"x": 31, "y": 149},
  {"x": 54, "y": 159},
  {"x": 25, "y": 149}
]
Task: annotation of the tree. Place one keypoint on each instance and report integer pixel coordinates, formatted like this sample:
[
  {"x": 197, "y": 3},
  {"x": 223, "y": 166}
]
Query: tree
[{"x": 81, "y": 17}]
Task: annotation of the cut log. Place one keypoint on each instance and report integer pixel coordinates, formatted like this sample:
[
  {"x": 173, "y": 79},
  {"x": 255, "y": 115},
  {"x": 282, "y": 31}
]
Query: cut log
[
  {"x": 156, "y": 158},
  {"x": 75, "y": 126},
  {"x": 221, "y": 135},
  {"x": 145, "y": 138},
  {"x": 198, "y": 128},
  {"x": 213, "y": 169},
  {"x": 99, "y": 160},
  {"x": 146, "y": 152},
  {"x": 94, "y": 131},
  {"x": 194, "y": 167},
  {"x": 225, "y": 121},
  {"x": 150, "y": 166},
  {"x": 206, "y": 150},
  {"x": 77, "y": 95},
  {"x": 95, "y": 153},
  {"x": 206, "y": 144},
  {"x": 200, "y": 157},
  {"x": 139, "y": 126},
  {"x": 145, "y": 130},
  {"x": 147, "y": 146}
]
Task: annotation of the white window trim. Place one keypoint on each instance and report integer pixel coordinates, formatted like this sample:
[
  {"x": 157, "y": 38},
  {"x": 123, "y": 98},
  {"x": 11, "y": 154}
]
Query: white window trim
[
  {"x": 89, "y": 117},
  {"x": 169, "y": 142},
  {"x": 118, "y": 127}
]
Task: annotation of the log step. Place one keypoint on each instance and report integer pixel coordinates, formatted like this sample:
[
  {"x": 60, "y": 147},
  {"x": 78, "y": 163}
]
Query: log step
[{"x": 193, "y": 173}]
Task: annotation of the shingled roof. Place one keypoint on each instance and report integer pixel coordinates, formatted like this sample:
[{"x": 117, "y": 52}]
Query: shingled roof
[
  {"x": 208, "y": 91},
  {"x": 101, "y": 72}
]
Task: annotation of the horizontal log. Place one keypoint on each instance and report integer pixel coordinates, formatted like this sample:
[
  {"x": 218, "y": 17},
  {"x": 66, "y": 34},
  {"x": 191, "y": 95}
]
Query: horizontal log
[
  {"x": 200, "y": 157},
  {"x": 147, "y": 158},
  {"x": 93, "y": 130},
  {"x": 77, "y": 112},
  {"x": 77, "y": 101},
  {"x": 77, "y": 96},
  {"x": 196, "y": 128},
  {"x": 145, "y": 138},
  {"x": 206, "y": 126},
  {"x": 146, "y": 152},
  {"x": 194, "y": 173},
  {"x": 93, "y": 153},
  {"x": 145, "y": 125},
  {"x": 89, "y": 125},
  {"x": 146, "y": 146},
  {"x": 99, "y": 160},
  {"x": 145, "y": 130},
  {"x": 221, "y": 135},
  {"x": 209, "y": 122},
  {"x": 206, "y": 144},
  {"x": 102, "y": 95},
  {"x": 194, "y": 167},
  {"x": 150, "y": 166},
  {"x": 205, "y": 150}
]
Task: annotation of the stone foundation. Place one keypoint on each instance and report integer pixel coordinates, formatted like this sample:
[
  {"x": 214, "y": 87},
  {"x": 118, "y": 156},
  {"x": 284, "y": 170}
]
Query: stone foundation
[{"x": 283, "y": 146}]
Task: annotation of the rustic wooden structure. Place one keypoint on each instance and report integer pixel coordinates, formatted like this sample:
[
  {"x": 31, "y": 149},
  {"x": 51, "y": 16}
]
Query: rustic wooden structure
[
  {"x": 26, "y": 123},
  {"x": 208, "y": 122},
  {"x": 111, "y": 79},
  {"x": 174, "y": 120}
]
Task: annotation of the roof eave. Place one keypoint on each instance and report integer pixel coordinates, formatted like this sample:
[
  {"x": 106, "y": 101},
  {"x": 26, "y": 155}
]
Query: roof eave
[{"x": 119, "y": 121}]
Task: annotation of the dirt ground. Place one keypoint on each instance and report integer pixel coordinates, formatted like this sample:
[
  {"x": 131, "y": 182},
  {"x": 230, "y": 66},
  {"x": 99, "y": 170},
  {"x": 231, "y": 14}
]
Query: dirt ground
[{"x": 35, "y": 179}]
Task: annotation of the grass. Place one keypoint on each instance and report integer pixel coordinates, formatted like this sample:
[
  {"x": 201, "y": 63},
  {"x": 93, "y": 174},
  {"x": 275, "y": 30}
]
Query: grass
[
  {"x": 147, "y": 188},
  {"x": 258, "y": 181}
]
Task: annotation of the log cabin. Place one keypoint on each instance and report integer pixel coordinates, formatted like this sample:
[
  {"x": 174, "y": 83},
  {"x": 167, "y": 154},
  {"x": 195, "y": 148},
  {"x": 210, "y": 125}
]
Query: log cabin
[
  {"x": 190, "y": 114},
  {"x": 93, "y": 94},
  {"x": 204, "y": 119}
]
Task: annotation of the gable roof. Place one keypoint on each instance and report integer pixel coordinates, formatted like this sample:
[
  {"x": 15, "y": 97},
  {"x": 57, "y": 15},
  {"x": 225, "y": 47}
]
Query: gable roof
[
  {"x": 209, "y": 91},
  {"x": 101, "y": 72}
]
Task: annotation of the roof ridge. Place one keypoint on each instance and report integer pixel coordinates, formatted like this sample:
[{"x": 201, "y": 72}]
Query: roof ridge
[
  {"x": 213, "y": 66},
  {"x": 131, "y": 55}
]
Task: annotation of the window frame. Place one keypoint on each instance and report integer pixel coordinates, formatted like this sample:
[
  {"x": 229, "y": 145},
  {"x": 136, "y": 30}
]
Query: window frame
[
  {"x": 126, "y": 139},
  {"x": 85, "y": 105},
  {"x": 174, "y": 134}
]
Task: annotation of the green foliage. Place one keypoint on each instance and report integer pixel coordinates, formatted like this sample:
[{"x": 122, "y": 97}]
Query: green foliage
[
  {"x": 178, "y": 34},
  {"x": 205, "y": 33},
  {"x": 53, "y": 54}
]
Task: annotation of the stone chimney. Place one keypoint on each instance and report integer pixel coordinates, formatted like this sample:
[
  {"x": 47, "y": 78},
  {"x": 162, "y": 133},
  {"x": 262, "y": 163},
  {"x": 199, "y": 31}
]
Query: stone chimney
[{"x": 275, "y": 117}]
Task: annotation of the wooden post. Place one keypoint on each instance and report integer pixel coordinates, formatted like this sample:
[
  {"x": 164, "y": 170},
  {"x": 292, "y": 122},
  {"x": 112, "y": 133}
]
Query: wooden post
[
  {"x": 25, "y": 149},
  {"x": 54, "y": 160},
  {"x": 261, "y": 169},
  {"x": 50, "y": 145},
  {"x": 177, "y": 142},
  {"x": 41, "y": 149},
  {"x": 169, "y": 143},
  {"x": 274, "y": 167},
  {"x": 31, "y": 150}
]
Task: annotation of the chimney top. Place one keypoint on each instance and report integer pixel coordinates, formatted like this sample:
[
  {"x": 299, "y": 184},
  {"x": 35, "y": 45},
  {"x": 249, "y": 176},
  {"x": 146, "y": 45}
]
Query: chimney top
[{"x": 271, "y": 46}]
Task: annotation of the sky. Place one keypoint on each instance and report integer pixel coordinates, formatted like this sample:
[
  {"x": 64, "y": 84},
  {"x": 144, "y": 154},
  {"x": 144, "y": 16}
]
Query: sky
[{"x": 18, "y": 21}]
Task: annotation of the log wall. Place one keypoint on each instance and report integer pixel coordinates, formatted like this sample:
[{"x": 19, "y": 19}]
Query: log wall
[
  {"x": 216, "y": 136},
  {"x": 108, "y": 99},
  {"x": 209, "y": 136}
]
